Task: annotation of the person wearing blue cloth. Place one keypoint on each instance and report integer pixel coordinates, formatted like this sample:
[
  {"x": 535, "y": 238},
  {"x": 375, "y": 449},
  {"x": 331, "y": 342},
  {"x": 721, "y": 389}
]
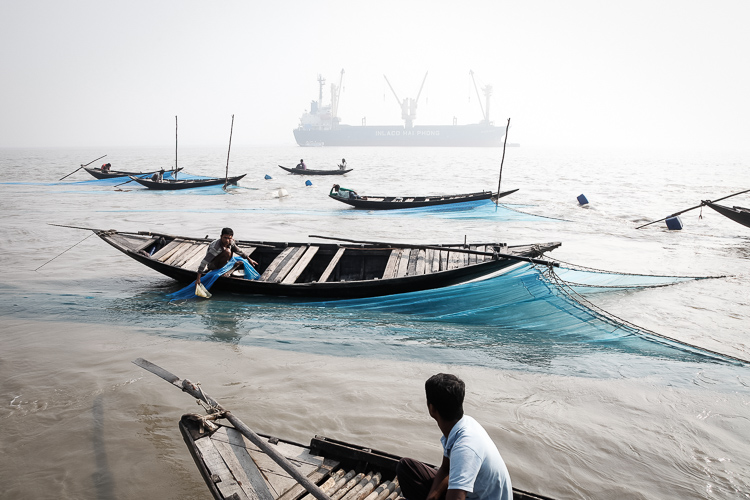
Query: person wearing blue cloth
[
  {"x": 472, "y": 468},
  {"x": 220, "y": 251}
]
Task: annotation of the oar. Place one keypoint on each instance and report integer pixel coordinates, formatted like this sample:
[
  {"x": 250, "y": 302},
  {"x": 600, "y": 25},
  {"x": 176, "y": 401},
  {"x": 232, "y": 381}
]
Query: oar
[
  {"x": 226, "y": 176},
  {"x": 79, "y": 168},
  {"x": 196, "y": 392},
  {"x": 500, "y": 179},
  {"x": 693, "y": 208},
  {"x": 449, "y": 249}
]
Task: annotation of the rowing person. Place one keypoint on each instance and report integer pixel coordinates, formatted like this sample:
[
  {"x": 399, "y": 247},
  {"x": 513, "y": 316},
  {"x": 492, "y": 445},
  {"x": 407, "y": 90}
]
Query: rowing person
[{"x": 220, "y": 251}]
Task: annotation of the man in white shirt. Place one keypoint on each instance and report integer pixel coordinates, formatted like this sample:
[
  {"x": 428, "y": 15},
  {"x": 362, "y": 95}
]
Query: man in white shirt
[{"x": 472, "y": 468}]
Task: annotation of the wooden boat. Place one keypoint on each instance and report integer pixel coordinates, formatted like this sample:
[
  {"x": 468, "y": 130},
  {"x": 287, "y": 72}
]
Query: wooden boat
[
  {"x": 307, "y": 171},
  {"x": 397, "y": 202},
  {"x": 238, "y": 464},
  {"x": 737, "y": 214},
  {"x": 96, "y": 172},
  {"x": 172, "y": 184},
  {"x": 345, "y": 270}
]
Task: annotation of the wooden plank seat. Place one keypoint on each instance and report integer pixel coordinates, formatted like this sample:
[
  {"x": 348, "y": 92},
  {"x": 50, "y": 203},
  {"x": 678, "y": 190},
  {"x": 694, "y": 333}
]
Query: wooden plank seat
[
  {"x": 301, "y": 264},
  {"x": 331, "y": 265},
  {"x": 278, "y": 263}
]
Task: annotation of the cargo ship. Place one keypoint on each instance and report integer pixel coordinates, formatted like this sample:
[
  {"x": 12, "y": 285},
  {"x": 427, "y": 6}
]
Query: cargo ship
[{"x": 321, "y": 126}]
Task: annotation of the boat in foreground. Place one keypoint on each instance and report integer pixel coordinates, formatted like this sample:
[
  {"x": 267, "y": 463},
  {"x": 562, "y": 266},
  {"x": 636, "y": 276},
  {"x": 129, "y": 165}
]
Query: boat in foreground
[
  {"x": 398, "y": 202},
  {"x": 329, "y": 270},
  {"x": 238, "y": 464},
  {"x": 737, "y": 214},
  {"x": 307, "y": 171},
  {"x": 173, "y": 184},
  {"x": 96, "y": 172}
]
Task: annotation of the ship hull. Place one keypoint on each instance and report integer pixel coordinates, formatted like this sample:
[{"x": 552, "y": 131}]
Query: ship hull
[{"x": 476, "y": 135}]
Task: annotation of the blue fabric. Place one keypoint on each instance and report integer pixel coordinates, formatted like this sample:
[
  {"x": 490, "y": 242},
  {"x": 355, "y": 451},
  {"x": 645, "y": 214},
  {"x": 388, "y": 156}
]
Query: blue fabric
[{"x": 208, "y": 280}]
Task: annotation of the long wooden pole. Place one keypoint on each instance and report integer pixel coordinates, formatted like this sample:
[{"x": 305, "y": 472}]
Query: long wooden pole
[
  {"x": 693, "y": 208},
  {"x": 175, "y": 148},
  {"x": 226, "y": 175},
  {"x": 448, "y": 249},
  {"x": 500, "y": 179},
  {"x": 196, "y": 392},
  {"x": 79, "y": 168}
]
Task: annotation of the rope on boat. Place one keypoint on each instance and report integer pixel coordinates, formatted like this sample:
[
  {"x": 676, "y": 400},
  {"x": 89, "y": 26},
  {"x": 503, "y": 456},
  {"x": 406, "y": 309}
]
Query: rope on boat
[
  {"x": 578, "y": 267},
  {"x": 566, "y": 289},
  {"x": 533, "y": 215}
]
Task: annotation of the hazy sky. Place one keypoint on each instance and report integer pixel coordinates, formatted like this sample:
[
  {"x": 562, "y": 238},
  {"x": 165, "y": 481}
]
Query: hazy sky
[{"x": 671, "y": 73}]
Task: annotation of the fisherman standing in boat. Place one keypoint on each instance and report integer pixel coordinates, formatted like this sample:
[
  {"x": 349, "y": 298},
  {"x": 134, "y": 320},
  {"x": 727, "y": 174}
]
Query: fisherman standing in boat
[
  {"x": 472, "y": 468},
  {"x": 220, "y": 251}
]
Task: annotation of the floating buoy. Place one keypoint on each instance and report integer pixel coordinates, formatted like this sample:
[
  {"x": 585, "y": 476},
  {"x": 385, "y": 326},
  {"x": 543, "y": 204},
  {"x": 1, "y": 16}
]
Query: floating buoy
[
  {"x": 308, "y": 182},
  {"x": 582, "y": 200},
  {"x": 674, "y": 223},
  {"x": 281, "y": 193},
  {"x": 268, "y": 177}
]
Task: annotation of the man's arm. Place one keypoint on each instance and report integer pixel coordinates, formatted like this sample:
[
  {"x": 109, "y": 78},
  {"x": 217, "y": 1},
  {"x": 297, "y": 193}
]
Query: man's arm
[
  {"x": 242, "y": 254},
  {"x": 440, "y": 483}
]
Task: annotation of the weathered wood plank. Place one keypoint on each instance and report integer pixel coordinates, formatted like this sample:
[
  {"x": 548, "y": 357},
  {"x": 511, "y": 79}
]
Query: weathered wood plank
[
  {"x": 145, "y": 244},
  {"x": 216, "y": 466},
  {"x": 331, "y": 265},
  {"x": 193, "y": 263},
  {"x": 429, "y": 256},
  {"x": 403, "y": 265},
  {"x": 301, "y": 265},
  {"x": 421, "y": 257},
  {"x": 277, "y": 262},
  {"x": 195, "y": 249},
  {"x": 180, "y": 250},
  {"x": 168, "y": 248},
  {"x": 392, "y": 265},
  {"x": 444, "y": 260},
  {"x": 315, "y": 476},
  {"x": 287, "y": 264},
  {"x": 239, "y": 462}
]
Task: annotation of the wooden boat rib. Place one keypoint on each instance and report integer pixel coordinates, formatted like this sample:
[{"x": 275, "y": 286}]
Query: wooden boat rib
[
  {"x": 737, "y": 214},
  {"x": 96, "y": 172},
  {"x": 328, "y": 270},
  {"x": 307, "y": 171},
  {"x": 172, "y": 184},
  {"x": 234, "y": 468},
  {"x": 398, "y": 202}
]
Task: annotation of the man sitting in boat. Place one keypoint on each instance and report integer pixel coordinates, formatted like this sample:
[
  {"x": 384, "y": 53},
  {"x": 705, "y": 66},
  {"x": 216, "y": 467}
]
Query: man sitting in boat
[
  {"x": 472, "y": 468},
  {"x": 301, "y": 165},
  {"x": 220, "y": 251},
  {"x": 342, "y": 165},
  {"x": 337, "y": 190},
  {"x": 106, "y": 167}
]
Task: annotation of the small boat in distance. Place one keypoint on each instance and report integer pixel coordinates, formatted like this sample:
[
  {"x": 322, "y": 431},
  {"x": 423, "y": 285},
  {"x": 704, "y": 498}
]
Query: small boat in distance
[
  {"x": 331, "y": 270},
  {"x": 740, "y": 215},
  {"x": 308, "y": 171},
  {"x": 174, "y": 184},
  {"x": 96, "y": 172},
  {"x": 398, "y": 202},
  {"x": 238, "y": 464}
]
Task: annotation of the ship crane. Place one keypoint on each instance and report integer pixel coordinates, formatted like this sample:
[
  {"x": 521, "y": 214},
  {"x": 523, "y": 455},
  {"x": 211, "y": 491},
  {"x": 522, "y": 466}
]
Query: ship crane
[
  {"x": 487, "y": 91},
  {"x": 335, "y": 94},
  {"x": 408, "y": 105}
]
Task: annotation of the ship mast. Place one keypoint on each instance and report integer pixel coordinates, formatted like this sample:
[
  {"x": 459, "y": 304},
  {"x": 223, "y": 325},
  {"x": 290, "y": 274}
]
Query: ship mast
[
  {"x": 335, "y": 94},
  {"x": 487, "y": 91},
  {"x": 408, "y": 105}
]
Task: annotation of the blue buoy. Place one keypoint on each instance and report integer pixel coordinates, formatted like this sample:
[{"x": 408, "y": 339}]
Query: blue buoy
[
  {"x": 308, "y": 182},
  {"x": 268, "y": 177},
  {"x": 674, "y": 223},
  {"x": 582, "y": 200}
]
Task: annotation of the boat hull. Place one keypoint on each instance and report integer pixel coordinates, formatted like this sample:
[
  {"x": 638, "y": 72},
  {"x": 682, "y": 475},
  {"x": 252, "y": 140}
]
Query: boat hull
[
  {"x": 112, "y": 174},
  {"x": 329, "y": 270},
  {"x": 233, "y": 467},
  {"x": 473, "y": 135},
  {"x": 299, "y": 171},
  {"x": 172, "y": 185},
  {"x": 402, "y": 202},
  {"x": 737, "y": 214}
]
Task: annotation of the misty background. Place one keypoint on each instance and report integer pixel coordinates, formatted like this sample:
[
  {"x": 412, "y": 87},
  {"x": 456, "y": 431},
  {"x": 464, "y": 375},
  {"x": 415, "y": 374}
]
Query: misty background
[{"x": 85, "y": 73}]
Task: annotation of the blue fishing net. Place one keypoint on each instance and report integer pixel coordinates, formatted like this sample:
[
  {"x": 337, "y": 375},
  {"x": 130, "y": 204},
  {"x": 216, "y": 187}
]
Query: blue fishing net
[{"x": 210, "y": 278}]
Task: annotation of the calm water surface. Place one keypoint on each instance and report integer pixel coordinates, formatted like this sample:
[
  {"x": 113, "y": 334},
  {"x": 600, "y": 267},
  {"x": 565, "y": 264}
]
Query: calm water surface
[{"x": 573, "y": 418}]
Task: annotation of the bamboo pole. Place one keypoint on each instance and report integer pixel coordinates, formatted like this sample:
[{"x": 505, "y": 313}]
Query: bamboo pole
[
  {"x": 497, "y": 200},
  {"x": 693, "y": 208}
]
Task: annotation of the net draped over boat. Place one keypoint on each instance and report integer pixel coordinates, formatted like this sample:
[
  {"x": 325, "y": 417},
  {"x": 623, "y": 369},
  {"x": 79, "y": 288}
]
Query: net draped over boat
[{"x": 210, "y": 278}]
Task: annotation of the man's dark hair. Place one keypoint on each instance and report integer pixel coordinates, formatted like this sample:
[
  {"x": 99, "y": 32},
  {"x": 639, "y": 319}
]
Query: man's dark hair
[
  {"x": 227, "y": 230},
  {"x": 446, "y": 393}
]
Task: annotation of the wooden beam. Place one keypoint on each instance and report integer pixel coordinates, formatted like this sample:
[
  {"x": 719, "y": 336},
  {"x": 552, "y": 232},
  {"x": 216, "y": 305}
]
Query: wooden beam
[
  {"x": 167, "y": 249},
  {"x": 392, "y": 265},
  {"x": 331, "y": 265},
  {"x": 277, "y": 262},
  {"x": 301, "y": 265}
]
